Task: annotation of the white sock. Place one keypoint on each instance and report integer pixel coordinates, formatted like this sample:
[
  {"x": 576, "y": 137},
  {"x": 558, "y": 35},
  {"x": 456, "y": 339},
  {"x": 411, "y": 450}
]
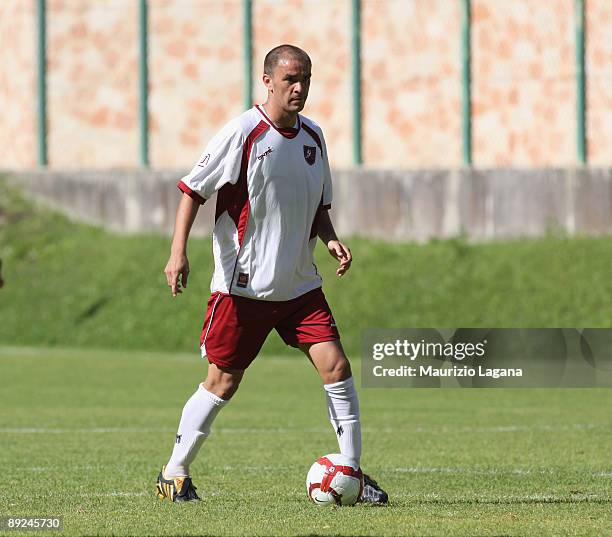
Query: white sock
[
  {"x": 198, "y": 414},
  {"x": 343, "y": 406}
]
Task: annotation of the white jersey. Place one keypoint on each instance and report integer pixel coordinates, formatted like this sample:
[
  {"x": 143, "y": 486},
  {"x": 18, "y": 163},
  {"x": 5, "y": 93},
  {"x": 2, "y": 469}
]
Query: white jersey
[{"x": 272, "y": 185}]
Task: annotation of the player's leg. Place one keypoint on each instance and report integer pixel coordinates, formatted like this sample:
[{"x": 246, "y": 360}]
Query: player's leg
[
  {"x": 232, "y": 334},
  {"x": 174, "y": 482},
  {"x": 198, "y": 415},
  {"x": 343, "y": 406},
  {"x": 311, "y": 327},
  {"x": 333, "y": 367}
]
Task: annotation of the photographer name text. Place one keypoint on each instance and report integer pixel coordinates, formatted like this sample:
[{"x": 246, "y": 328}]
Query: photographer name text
[{"x": 410, "y": 350}]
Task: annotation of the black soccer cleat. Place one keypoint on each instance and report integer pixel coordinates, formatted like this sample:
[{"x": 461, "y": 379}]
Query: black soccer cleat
[
  {"x": 178, "y": 489},
  {"x": 372, "y": 493}
]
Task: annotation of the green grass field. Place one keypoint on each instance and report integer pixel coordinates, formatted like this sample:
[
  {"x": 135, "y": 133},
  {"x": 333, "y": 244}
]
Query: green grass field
[{"x": 84, "y": 433}]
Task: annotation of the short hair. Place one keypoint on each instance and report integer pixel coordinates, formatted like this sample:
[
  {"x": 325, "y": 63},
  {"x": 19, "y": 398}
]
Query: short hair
[{"x": 283, "y": 51}]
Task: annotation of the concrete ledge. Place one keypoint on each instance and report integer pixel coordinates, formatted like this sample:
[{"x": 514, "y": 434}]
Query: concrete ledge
[{"x": 388, "y": 204}]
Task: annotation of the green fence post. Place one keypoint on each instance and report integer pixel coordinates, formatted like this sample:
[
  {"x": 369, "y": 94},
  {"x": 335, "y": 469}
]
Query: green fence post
[
  {"x": 356, "y": 72},
  {"x": 143, "y": 70},
  {"x": 466, "y": 81},
  {"x": 41, "y": 57},
  {"x": 580, "y": 83},
  {"x": 247, "y": 47}
]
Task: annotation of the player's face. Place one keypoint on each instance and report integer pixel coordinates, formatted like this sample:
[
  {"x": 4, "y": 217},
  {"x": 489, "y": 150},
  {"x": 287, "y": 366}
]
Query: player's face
[{"x": 289, "y": 83}]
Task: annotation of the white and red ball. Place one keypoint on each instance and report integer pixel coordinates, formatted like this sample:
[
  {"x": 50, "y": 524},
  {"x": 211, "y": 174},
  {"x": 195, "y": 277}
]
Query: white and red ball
[{"x": 334, "y": 480}]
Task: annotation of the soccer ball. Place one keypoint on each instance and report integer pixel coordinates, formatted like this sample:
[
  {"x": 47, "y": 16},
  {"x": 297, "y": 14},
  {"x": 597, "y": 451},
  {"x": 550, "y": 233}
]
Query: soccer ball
[{"x": 334, "y": 480}]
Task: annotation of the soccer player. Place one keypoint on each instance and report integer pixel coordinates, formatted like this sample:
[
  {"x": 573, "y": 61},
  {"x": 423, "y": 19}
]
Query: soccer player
[{"x": 270, "y": 170}]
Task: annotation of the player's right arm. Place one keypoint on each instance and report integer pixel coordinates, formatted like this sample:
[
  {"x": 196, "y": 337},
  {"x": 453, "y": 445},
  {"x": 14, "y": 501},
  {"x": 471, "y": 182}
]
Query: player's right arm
[
  {"x": 178, "y": 264},
  {"x": 218, "y": 165}
]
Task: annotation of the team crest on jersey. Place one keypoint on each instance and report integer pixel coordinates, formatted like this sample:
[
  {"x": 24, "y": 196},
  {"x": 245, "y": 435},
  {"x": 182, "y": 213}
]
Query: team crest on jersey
[{"x": 310, "y": 153}]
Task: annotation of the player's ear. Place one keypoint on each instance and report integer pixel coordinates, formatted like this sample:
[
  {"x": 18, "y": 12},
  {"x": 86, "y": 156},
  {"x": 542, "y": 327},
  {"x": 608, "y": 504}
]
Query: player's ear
[{"x": 267, "y": 80}]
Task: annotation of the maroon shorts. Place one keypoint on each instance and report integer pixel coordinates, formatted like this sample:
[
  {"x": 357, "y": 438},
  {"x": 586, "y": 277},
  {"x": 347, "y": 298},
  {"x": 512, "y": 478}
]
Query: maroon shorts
[{"x": 236, "y": 327}]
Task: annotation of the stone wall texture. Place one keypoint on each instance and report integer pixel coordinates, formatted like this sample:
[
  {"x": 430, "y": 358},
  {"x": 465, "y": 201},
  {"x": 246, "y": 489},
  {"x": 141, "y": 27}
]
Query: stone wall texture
[
  {"x": 411, "y": 83},
  {"x": 92, "y": 83},
  {"x": 195, "y": 75},
  {"x": 524, "y": 83},
  {"x": 523, "y": 87},
  {"x": 599, "y": 89},
  {"x": 17, "y": 84}
]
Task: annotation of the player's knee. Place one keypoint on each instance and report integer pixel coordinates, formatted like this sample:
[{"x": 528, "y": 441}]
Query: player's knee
[
  {"x": 339, "y": 370},
  {"x": 227, "y": 392},
  {"x": 222, "y": 385},
  {"x": 225, "y": 389}
]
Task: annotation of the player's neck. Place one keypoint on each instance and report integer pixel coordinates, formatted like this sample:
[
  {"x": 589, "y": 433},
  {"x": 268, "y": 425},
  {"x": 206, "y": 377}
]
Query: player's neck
[{"x": 279, "y": 117}]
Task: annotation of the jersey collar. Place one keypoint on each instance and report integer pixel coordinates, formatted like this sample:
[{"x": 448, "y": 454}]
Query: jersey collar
[{"x": 287, "y": 132}]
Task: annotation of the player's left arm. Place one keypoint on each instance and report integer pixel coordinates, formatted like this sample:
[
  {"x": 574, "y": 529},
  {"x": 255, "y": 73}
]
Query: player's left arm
[
  {"x": 337, "y": 250},
  {"x": 325, "y": 230}
]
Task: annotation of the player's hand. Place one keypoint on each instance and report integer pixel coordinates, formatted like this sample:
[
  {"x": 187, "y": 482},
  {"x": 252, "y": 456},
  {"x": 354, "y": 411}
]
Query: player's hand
[
  {"x": 178, "y": 265},
  {"x": 342, "y": 253}
]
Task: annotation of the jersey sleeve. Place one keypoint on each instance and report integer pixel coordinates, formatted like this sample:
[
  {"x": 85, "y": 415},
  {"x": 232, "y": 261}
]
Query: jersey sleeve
[
  {"x": 327, "y": 180},
  {"x": 218, "y": 165}
]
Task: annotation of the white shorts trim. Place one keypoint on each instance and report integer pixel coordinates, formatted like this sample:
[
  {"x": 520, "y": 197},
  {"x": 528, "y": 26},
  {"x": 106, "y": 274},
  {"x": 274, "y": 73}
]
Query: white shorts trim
[{"x": 212, "y": 314}]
